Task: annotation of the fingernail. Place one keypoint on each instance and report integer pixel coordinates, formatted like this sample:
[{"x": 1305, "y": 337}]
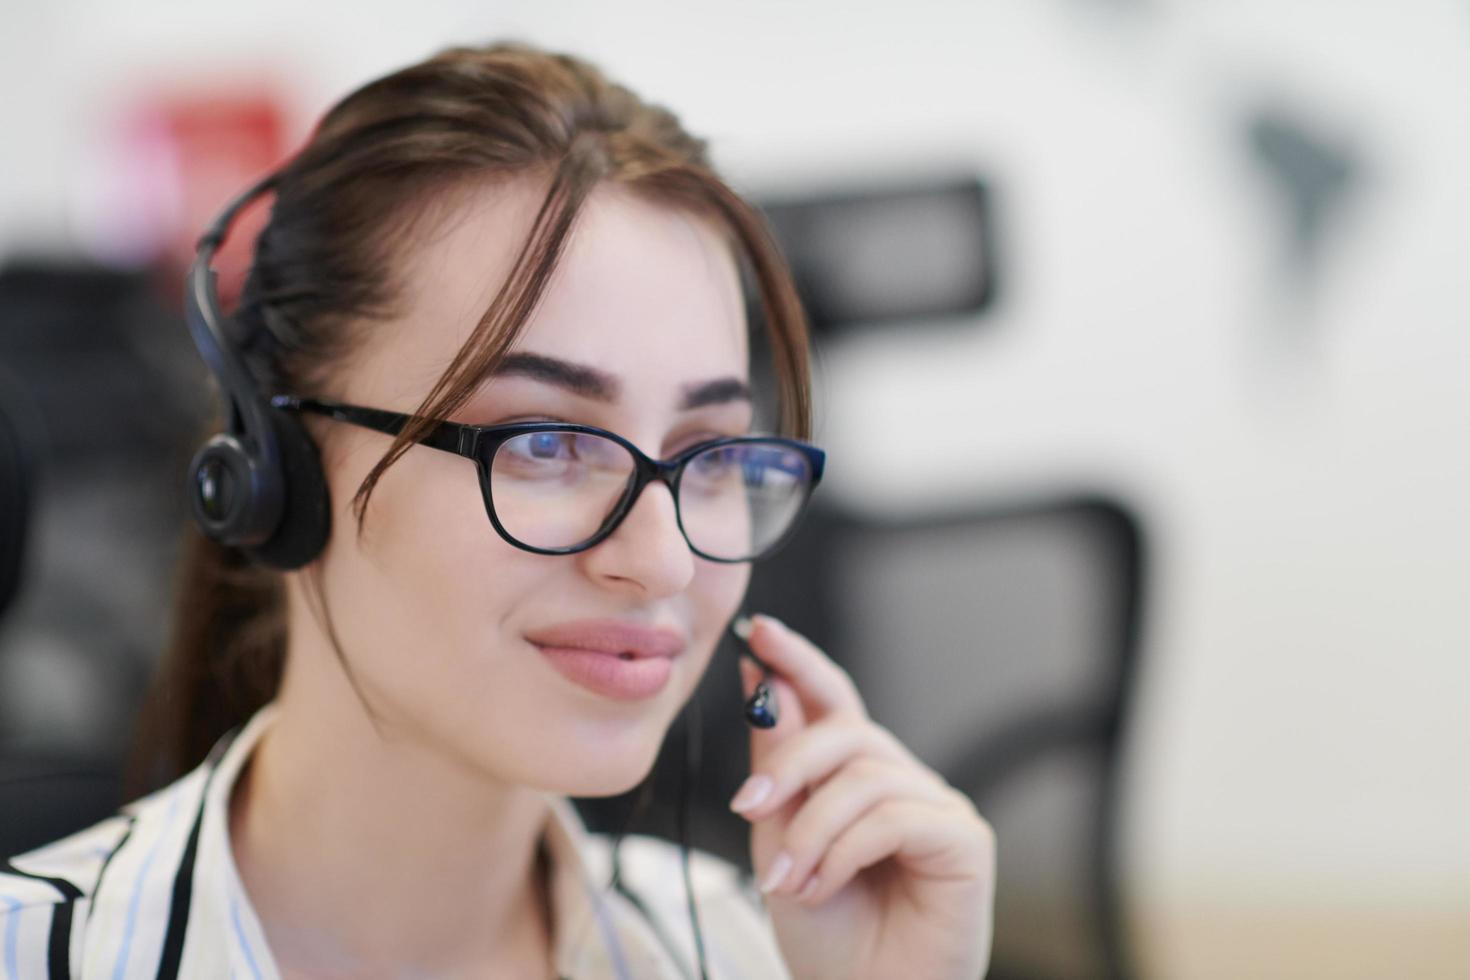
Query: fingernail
[
  {"x": 777, "y": 872},
  {"x": 773, "y": 620},
  {"x": 752, "y": 792},
  {"x": 809, "y": 889},
  {"x": 742, "y": 627}
]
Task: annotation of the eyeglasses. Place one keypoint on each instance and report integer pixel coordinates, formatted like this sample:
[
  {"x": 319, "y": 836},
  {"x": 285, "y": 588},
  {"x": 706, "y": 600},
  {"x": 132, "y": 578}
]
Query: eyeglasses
[{"x": 556, "y": 488}]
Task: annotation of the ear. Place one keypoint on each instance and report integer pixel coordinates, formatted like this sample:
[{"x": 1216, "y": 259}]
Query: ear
[{"x": 306, "y": 516}]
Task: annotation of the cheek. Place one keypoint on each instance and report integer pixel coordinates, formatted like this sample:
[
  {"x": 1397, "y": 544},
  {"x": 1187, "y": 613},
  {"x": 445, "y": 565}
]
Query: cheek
[
  {"x": 423, "y": 597},
  {"x": 429, "y": 601},
  {"x": 428, "y": 571},
  {"x": 716, "y": 594},
  {"x": 721, "y": 586},
  {"x": 427, "y": 530}
]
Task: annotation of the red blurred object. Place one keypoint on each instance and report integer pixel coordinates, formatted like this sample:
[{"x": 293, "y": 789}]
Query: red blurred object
[
  {"x": 179, "y": 160},
  {"x": 223, "y": 145}
]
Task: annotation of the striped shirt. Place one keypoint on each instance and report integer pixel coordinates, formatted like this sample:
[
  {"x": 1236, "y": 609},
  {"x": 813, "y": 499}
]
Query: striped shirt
[{"x": 153, "y": 891}]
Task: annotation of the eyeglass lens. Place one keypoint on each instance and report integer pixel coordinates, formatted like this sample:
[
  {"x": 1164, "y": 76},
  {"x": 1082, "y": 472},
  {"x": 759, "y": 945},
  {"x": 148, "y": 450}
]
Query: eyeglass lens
[{"x": 556, "y": 490}]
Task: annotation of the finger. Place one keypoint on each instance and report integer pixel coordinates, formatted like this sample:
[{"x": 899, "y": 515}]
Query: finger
[
  {"x": 812, "y": 756},
  {"x": 943, "y": 840},
  {"x": 852, "y": 792},
  {"x": 823, "y": 687},
  {"x": 750, "y": 675}
]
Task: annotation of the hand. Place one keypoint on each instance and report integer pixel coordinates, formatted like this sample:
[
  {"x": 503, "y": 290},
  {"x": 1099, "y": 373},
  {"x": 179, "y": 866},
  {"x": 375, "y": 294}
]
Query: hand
[{"x": 873, "y": 866}]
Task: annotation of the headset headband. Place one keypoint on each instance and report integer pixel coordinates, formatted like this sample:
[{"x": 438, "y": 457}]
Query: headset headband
[{"x": 247, "y": 416}]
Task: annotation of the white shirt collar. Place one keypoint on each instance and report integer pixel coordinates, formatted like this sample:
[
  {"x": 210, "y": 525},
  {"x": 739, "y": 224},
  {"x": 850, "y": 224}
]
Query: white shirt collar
[{"x": 595, "y": 933}]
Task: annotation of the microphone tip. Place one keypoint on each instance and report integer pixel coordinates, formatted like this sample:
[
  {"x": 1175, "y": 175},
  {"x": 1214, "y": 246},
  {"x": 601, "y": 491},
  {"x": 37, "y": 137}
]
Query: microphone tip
[{"x": 761, "y": 710}]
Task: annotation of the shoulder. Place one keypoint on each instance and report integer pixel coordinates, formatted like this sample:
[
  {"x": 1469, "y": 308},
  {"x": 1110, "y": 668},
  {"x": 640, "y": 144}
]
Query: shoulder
[
  {"x": 735, "y": 928},
  {"x": 44, "y": 893},
  {"x": 47, "y": 895}
]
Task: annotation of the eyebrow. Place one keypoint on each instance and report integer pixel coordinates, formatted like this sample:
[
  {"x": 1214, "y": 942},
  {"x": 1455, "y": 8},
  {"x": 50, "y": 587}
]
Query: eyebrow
[{"x": 589, "y": 382}]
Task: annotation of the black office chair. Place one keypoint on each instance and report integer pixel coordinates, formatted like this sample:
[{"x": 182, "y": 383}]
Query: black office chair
[
  {"x": 999, "y": 645},
  {"x": 14, "y": 496},
  {"x": 102, "y": 373},
  {"x": 1028, "y": 623}
]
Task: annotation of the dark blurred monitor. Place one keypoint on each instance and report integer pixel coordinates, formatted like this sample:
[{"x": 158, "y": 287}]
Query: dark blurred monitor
[{"x": 923, "y": 250}]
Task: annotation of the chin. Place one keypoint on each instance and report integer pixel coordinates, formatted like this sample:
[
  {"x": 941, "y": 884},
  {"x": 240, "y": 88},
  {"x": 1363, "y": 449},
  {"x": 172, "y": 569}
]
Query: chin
[
  {"x": 600, "y": 760},
  {"x": 595, "y": 785},
  {"x": 598, "y": 775}
]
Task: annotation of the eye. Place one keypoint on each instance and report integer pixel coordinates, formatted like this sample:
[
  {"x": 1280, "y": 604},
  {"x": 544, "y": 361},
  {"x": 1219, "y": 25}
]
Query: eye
[
  {"x": 544, "y": 445},
  {"x": 716, "y": 460}
]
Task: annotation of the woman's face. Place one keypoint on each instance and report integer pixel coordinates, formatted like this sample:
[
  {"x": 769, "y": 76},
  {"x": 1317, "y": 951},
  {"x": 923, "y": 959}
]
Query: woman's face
[{"x": 433, "y": 608}]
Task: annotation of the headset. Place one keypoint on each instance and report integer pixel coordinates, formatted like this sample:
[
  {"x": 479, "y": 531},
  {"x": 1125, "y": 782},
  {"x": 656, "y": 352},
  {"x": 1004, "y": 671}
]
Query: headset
[{"x": 257, "y": 486}]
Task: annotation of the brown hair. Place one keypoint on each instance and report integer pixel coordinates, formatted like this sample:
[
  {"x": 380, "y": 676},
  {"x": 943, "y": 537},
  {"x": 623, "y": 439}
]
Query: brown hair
[{"x": 323, "y": 266}]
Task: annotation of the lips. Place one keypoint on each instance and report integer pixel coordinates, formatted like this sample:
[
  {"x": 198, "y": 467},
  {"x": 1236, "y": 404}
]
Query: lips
[
  {"x": 617, "y": 659},
  {"x": 611, "y": 636}
]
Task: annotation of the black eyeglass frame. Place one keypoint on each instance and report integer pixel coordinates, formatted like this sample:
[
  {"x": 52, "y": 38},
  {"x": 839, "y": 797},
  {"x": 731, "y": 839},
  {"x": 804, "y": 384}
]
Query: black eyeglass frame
[{"x": 479, "y": 444}]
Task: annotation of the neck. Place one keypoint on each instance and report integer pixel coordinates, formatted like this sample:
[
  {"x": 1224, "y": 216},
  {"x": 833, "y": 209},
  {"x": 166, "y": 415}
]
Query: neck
[{"x": 364, "y": 852}]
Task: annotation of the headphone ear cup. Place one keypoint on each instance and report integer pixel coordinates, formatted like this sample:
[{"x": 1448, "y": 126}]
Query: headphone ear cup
[
  {"x": 306, "y": 514},
  {"x": 230, "y": 495}
]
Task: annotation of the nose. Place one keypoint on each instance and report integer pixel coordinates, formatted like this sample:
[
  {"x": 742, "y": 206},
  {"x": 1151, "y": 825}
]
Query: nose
[{"x": 646, "y": 553}]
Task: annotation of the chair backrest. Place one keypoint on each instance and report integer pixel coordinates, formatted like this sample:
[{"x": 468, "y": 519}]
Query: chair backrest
[
  {"x": 45, "y": 796},
  {"x": 998, "y": 644},
  {"x": 97, "y": 375},
  {"x": 14, "y": 506}
]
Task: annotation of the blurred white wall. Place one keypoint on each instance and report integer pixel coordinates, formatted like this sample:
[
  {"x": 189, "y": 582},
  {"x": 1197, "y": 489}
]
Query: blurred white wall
[{"x": 1299, "y": 456}]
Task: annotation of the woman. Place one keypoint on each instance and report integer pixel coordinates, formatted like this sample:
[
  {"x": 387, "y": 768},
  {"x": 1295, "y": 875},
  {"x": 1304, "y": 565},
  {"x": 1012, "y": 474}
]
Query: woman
[{"x": 382, "y": 735}]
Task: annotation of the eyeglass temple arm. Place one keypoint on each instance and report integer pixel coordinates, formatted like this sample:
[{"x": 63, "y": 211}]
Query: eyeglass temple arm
[
  {"x": 819, "y": 463},
  {"x": 449, "y": 436}
]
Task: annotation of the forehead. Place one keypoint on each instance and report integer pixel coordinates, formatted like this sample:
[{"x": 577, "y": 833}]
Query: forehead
[{"x": 647, "y": 292}]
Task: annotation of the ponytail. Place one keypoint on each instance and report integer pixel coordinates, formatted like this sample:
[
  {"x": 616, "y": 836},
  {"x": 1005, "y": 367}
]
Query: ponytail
[{"x": 223, "y": 661}]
